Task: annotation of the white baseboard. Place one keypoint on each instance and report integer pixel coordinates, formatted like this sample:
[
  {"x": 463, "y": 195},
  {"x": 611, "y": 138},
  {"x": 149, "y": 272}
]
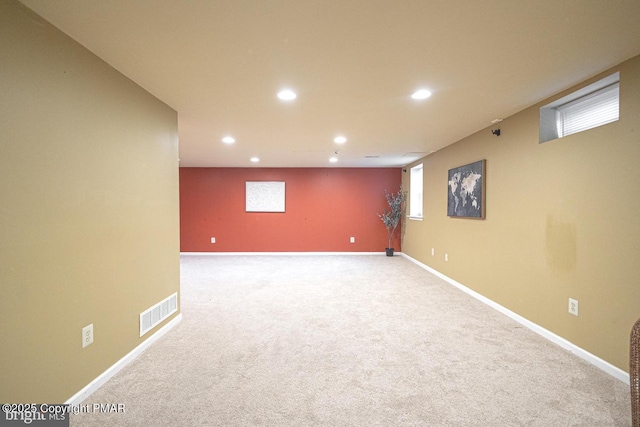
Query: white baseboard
[
  {"x": 567, "y": 345},
  {"x": 86, "y": 391},
  {"x": 284, "y": 253}
]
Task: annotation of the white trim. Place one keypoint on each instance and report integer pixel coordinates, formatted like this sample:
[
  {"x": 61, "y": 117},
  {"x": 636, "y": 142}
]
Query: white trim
[
  {"x": 593, "y": 87},
  {"x": 285, "y": 253},
  {"x": 567, "y": 345},
  {"x": 94, "y": 385}
]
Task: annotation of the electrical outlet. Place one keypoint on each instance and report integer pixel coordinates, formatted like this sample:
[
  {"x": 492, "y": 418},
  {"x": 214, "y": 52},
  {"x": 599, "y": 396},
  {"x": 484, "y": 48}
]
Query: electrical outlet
[
  {"x": 352, "y": 239},
  {"x": 87, "y": 335},
  {"x": 433, "y": 251},
  {"x": 213, "y": 240},
  {"x": 446, "y": 257},
  {"x": 573, "y": 306}
]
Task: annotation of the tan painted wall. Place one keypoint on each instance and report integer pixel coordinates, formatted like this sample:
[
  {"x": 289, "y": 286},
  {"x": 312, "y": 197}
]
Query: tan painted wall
[
  {"x": 561, "y": 221},
  {"x": 89, "y": 214}
]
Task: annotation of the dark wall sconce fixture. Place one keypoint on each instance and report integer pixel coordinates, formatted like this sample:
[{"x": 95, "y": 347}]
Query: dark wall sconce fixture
[{"x": 496, "y": 132}]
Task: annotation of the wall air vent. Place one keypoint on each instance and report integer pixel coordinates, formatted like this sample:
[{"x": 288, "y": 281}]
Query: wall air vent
[
  {"x": 151, "y": 317},
  {"x": 371, "y": 157}
]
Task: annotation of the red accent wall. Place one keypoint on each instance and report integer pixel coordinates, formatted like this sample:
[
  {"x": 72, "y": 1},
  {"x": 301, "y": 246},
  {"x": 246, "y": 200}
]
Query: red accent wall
[{"x": 324, "y": 207}]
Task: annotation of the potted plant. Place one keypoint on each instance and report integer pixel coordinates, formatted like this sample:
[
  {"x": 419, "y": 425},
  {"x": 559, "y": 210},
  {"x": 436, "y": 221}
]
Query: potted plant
[{"x": 391, "y": 218}]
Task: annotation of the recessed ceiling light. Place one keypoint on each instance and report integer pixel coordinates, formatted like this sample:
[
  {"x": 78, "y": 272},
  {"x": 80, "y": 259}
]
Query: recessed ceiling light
[
  {"x": 228, "y": 140},
  {"x": 333, "y": 159},
  {"x": 421, "y": 94},
  {"x": 255, "y": 159},
  {"x": 287, "y": 95},
  {"x": 340, "y": 139}
]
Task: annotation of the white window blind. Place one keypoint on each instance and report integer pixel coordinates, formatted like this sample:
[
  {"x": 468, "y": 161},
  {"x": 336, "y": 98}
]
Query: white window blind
[
  {"x": 591, "y": 106},
  {"x": 415, "y": 192},
  {"x": 596, "y": 109}
]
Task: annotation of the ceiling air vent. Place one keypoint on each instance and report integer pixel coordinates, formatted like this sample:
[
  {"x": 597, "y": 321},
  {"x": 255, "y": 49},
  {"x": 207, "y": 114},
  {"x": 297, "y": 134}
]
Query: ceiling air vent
[
  {"x": 415, "y": 154},
  {"x": 371, "y": 157}
]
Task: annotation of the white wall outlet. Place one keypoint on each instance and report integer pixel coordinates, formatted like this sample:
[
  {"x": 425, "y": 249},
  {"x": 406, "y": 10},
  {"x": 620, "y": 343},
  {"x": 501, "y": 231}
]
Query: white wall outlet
[
  {"x": 352, "y": 239},
  {"x": 87, "y": 335},
  {"x": 433, "y": 251},
  {"x": 446, "y": 257},
  {"x": 213, "y": 240},
  {"x": 573, "y": 306}
]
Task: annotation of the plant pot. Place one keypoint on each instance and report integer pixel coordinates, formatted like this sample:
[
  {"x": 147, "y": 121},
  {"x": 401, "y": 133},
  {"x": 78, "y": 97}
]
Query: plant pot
[{"x": 389, "y": 251}]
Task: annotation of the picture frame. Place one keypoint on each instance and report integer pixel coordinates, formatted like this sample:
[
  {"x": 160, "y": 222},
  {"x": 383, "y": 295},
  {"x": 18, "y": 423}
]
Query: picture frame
[{"x": 466, "y": 191}]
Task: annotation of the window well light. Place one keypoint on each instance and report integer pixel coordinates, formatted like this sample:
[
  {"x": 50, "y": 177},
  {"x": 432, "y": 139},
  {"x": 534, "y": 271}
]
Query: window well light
[
  {"x": 255, "y": 159},
  {"x": 228, "y": 140},
  {"x": 287, "y": 95},
  {"x": 340, "y": 139},
  {"x": 421, "y": 94}
]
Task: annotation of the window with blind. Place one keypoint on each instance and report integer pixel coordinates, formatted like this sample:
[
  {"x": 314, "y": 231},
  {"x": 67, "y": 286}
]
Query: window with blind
[
  {"x": 415, "y": 192},
  {"x": 587, "y": 108}
]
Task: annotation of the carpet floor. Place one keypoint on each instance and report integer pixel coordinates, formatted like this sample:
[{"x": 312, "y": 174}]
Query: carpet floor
[{"x": 348, "y": 341}]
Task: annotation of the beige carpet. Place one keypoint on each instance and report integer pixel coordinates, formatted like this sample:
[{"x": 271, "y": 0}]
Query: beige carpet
[{"x": 349, "y": 341}]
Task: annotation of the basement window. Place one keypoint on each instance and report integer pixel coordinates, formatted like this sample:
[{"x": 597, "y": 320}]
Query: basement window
[
  {"x": 592, "y": 106},
  {"x": 415, "y": 192}
]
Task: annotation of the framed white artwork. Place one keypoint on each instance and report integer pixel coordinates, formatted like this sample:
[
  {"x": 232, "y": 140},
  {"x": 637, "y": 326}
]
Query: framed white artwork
[{"x": 265, "y": 196}]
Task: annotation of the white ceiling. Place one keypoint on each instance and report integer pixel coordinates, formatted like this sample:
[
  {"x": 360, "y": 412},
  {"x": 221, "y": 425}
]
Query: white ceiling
[{"x": 353, "y": 63}]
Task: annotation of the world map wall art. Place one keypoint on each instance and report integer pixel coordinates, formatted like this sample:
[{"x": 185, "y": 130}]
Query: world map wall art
[{"x": 466, "y": 191}]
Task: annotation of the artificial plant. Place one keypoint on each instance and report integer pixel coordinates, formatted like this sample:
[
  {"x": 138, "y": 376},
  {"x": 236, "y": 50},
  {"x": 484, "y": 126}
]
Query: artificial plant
[{"x": 391, "y": 217}]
